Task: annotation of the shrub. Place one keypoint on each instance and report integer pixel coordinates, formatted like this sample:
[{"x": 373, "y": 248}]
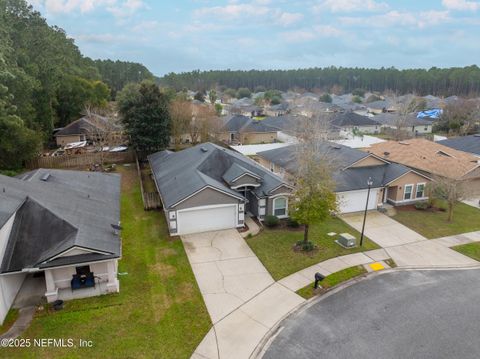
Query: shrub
[
  {"x": 293, "y": 223},
  {"x": 305, "y": 246},
  {"x": 249, "y": 236},
  {"x": 326, "y": 98},
  {"x": 423, "y": 205},
  {"x": 271, "y": 221}
]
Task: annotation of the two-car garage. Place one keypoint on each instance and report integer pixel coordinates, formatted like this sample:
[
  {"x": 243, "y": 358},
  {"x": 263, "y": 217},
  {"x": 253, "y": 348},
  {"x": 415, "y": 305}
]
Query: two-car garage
[
  {"x": 354, "y": 201},
  {"x": 207, "y": 218}
]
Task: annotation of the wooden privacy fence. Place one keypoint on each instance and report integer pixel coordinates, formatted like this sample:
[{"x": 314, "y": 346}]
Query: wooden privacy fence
[
  {"x": 151, "y": 200},
  {"x": 85, "y": 159}
]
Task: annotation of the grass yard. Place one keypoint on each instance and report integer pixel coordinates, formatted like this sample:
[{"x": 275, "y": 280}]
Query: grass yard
[
  {"x": 274, "y": 247},
  {"x": 471, "y": 250},
  {"x": 332, "y": 280},
  {"x": 159, "y": 312},
  {"x": 11, "y": 317},
  {"x": 434, "y": 224}
]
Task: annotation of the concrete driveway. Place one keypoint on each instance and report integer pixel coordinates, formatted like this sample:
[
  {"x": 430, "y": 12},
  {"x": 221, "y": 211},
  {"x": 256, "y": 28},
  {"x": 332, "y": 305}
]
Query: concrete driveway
[
  {"x": 242, "y": 298},
  {"x": 227, "y": 271},
  {"x": 407, "y": 314},
  {"x": 383, "y": 230}
]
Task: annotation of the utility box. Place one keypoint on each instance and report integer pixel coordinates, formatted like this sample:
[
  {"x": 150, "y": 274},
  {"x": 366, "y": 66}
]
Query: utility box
[{"x": 346, "y": 240}]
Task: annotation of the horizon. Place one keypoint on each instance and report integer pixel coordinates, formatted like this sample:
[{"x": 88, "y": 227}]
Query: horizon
[{"x": 182, "y": 36}]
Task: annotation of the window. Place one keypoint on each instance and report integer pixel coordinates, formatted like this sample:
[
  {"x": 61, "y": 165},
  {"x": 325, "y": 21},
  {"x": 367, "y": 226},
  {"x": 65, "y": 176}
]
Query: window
[
  {"x": 408, "y": 192},
  {"x": 420, "y": 190},
  {"x": 280, "y": 207},
  {"x": 232, "y": 136},
  {"x": 83, "y": 270}
]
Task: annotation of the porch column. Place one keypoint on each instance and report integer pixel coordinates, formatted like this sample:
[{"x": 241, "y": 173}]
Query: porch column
[
  {"x": 113, "y": 285},
  {"x": 52, "y": 291}
]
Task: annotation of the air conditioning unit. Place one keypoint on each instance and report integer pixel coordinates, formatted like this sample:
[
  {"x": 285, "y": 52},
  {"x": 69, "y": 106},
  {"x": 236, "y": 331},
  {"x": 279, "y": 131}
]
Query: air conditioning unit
[{"x": 346, "y": 240}]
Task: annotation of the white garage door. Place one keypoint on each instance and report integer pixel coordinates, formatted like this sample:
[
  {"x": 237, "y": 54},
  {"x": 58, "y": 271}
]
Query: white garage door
[
  {"x": 203, "y": 219},
  {"x": 354, "y": 201}
]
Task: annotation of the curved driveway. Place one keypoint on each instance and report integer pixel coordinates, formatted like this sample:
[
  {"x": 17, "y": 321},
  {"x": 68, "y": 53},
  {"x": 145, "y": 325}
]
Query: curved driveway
[{"x": 404, "y": 314}]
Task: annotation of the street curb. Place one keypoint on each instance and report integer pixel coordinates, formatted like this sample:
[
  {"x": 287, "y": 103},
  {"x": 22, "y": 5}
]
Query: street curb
[{"x": 267, "y": 339}]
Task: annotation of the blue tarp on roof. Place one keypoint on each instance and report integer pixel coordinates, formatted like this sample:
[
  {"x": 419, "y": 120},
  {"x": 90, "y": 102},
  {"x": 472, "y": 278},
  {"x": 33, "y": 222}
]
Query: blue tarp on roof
[{"x": 434, "y": 113}]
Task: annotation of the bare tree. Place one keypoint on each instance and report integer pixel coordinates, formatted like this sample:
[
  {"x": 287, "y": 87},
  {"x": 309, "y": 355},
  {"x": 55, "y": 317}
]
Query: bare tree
[
  {"x": 204, "y": 123},
  {"x": 450, "y": 190},
  {"x": 405, "y": 110},
  {"x": 105, "y": 131},
  {"x": 459, "y": 117},
  {"x": 180, "y": 117}
]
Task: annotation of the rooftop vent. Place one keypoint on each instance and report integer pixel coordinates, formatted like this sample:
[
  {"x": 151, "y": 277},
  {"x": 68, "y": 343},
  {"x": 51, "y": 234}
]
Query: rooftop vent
[
  {"x": 386, "y": 153},
  {"x": 45, "y": 177},
  {"x": 204, "y": 149}
]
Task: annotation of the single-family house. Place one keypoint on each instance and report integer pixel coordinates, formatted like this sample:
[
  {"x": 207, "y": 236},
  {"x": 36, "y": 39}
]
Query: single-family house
[
  {"x": 86, "y": 128},
  {"x": 469, "y": 144},
  {"x": 61, "y": 227},
  {"x": 208, "y": 187},
  {"x": 276, "y": 110},
  {"x": 352, "y": 122},
  {"x": 392, "y": 183},
  {"x": 381, "y": 106},
  {"x": 410, "y": 122},
  {"x": 245, "y": 130},
  {"x": 432, "y": 159}
]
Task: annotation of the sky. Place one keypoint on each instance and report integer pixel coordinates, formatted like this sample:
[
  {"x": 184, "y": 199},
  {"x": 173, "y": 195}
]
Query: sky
[{"x": 181, "y": 35}]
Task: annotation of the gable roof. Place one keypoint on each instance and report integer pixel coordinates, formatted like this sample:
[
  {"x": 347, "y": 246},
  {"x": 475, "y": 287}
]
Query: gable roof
[
  {"x": 470, "y": 144},
  {"x": 68, "y": 209},
  {"x": 352, "y": 119},
  {"x": 240, "y": 123},
  {"x": 346, "y": 178},
  {"x": 236, "y": 171},
  {"x": 410, "y": 120},
  {"x": 181, "y": 174},
  {"x": 82, "y": 126},
  {"x": 428, "y": 156}
]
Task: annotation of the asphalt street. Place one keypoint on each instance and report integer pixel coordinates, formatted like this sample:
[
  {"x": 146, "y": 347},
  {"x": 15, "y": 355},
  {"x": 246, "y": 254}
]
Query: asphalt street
[{"x": 405, "y": 314}]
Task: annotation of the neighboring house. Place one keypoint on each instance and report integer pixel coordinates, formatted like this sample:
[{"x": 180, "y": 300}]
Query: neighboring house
[
  {"x": 392, "y": 183},
  {"x": 208, "y": 187},
  {"x": 469, "y": 144},
  {"x": 352, "y": 122},
  {"x": 58, "y": 224},
  {"x": 380, "y": 106},
  {"x": 83, "y": 129},
  {"x": 432, "y": 159},
  {"x": 244, "y": 130},
  {"x": 417, "y": 126},
  {"x": 277, "y": 110}
]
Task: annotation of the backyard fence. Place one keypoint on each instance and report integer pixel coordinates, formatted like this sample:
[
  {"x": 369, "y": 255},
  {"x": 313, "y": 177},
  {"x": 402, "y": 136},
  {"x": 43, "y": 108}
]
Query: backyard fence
[
  {"x": 85, "y": 159},
  {"x": 151, "y": 200}
]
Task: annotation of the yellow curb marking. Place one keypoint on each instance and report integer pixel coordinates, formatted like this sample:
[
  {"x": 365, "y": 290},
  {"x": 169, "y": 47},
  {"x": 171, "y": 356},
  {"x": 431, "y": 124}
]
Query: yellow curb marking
[{"x": 376, "y": 266}]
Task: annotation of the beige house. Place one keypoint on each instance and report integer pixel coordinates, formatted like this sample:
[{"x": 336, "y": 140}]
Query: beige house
[
  {"x": 432, "y": 159},
  {"x": 244, "y": 130},
  {"x": 391, "y": 183}
]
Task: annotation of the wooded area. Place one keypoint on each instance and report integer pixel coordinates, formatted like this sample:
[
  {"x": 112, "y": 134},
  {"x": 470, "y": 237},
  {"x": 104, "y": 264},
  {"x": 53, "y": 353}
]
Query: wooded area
[{"x": 435, "y": 81}]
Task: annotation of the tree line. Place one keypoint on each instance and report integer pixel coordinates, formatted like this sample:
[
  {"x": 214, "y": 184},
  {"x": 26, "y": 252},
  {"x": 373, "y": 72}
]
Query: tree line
[
  {"x": 436, "y": 81},
  {"x": 45, "y": 81}
]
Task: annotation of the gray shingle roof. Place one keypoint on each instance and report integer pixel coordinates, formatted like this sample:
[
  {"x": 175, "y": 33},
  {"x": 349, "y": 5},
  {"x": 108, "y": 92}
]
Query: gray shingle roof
[
  {"x": 470, "y": 144},
  {"x": 236, "y": 171},
  {"x": 181, "y": 174},
  {"x": 71, "y": 208},
  {"x": 346, "y": 179},
  {"x": 411, "y": 119},
  {"x": 82, "y": 126},
  {"x": 240, "y": 123},
  {"x": 352, "y": 119}
]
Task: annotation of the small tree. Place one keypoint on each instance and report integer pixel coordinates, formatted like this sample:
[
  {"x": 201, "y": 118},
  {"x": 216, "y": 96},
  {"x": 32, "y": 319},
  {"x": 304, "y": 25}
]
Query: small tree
[
  {"x": 243, "y": 92},
  {"x": 180, "y": 116},
  {"x": 450, "y": 190},
  {"x": 326, "y": 98},
  {"x": 199, "y": 96},
  {"x": 314, "y": 197},
  {"x": 212, "y": 96}
]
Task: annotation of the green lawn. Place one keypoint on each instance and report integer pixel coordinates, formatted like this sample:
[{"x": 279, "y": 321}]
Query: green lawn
[
  {"x": 159, "y": 312},
  {"x": 332, "y": 280},
  {"x": 274, "y": 247},
  {"x": 471, "y": 250},
  {"x": 434, "y": 224},
  {"x": 11, "y": 317}
]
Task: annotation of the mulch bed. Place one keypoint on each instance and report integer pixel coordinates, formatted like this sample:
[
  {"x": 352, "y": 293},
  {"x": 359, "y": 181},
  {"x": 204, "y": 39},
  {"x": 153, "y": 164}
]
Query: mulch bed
[{"x": 411, "y": 208}]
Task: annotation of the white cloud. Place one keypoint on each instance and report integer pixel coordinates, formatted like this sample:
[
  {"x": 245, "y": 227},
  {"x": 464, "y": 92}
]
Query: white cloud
[
  {"x": 397, "y": 18},
  {"x": 115, "y": 7},
  {"x": 288, "y": 18},
  {"x": 464, "y": 5},
  {"x": 351, "y": 5},
  {"x": 101, "y": 38},
  {"x": 316, "y": 32},
  {"x": 233, "y": 11}
]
